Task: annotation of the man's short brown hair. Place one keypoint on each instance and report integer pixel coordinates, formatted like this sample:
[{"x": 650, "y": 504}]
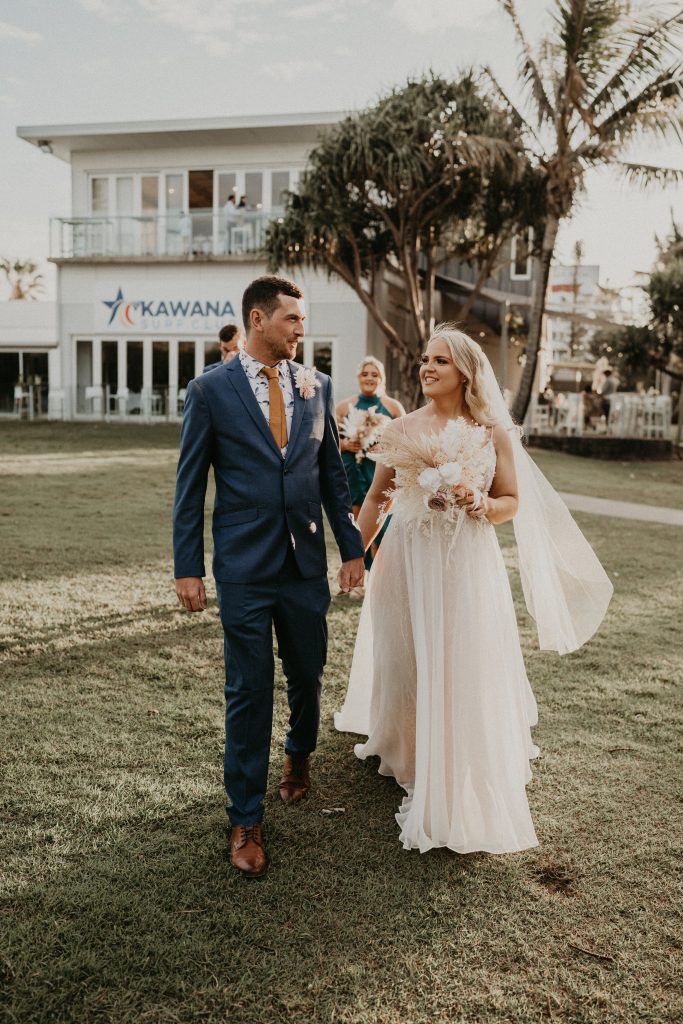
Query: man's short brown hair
[
  {"x": 228, "y": 332},
  {"x": 263, "y": 294}
]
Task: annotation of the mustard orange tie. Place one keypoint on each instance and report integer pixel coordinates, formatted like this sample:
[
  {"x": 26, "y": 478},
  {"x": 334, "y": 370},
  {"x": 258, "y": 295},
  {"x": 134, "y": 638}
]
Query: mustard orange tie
[{"x": 277, "y": 420}]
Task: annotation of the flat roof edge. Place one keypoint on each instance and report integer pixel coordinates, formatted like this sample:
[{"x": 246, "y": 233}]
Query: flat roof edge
[{"x": 54, "y": 131}]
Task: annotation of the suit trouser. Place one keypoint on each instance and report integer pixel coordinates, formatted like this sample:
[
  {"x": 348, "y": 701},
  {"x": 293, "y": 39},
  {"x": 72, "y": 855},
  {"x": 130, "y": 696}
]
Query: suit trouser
[{"x": 297, "y": 608}]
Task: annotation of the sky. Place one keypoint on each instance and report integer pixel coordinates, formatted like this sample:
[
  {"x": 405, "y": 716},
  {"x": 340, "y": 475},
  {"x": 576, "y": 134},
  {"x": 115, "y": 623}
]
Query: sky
[{"x": 71, "y": 61}]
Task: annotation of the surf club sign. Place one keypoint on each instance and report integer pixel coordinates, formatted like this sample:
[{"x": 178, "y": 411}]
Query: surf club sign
[{"x": 165, "y": 314}]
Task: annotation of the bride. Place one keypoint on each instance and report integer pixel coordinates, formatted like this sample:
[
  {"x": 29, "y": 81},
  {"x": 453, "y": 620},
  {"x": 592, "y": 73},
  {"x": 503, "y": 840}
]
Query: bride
[{"x": 438, "y": 683}]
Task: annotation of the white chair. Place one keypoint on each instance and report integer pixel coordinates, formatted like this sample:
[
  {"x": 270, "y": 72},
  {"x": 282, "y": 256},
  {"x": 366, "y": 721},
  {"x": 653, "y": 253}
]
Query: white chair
[
  {"x": 241, "y": 240},
  {"x": 93, "y": 399},
  {"x": 623, "y": 414},
  {"x": 21, "y": 400},
  {"x": 574, "y": 420},
  {"x": 119, "y": 402},
  {"x": 136, "y": 403},
  {"x": 655, "y": 416},
  {"x": 540, "y": 418}
]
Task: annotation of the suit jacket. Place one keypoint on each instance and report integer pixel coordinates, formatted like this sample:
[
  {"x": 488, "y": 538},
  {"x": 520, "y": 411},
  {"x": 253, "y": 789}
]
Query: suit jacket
[
  {"x": 212, "y": 366},
  {"x": 263, "y": 502}
]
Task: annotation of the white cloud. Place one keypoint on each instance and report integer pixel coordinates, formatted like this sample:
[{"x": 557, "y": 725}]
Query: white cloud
[
  {"x": 209, "y": 23},
  {"x": 215, "y": 25},
  {"x": 23, "y": 35},
  {"x": 436, "y": 15},
  {"x": 290, "y": 70},
  {"x": 306, "y": 12},
  {"x": 115, "y": 12}
]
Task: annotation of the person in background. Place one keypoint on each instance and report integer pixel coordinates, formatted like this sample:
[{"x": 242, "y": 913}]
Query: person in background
[
  {"x": 370, "y": 398},
  {"x": 609, "y": 386},
  {"x": 185, "y": 230},
  {"x": 592, "y": 407},
  {"x": 230, "y": 341},
  {"x": 230, "y": 214}
]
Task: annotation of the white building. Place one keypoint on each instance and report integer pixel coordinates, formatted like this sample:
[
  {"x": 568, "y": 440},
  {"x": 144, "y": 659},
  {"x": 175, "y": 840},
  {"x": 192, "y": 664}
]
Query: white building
[
  {"x": 577, "y": 307},
  {"x": 153, "y": 260}
]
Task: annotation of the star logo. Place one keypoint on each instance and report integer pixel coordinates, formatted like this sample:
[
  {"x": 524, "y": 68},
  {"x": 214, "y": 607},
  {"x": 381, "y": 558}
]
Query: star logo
[
  {"x": 114, "y": 305},
  {"x": 119, "y": 306}
]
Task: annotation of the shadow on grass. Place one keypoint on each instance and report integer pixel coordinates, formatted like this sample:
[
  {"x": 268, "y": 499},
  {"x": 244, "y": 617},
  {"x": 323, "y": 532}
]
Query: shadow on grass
[{"x": 152, "y": 923}]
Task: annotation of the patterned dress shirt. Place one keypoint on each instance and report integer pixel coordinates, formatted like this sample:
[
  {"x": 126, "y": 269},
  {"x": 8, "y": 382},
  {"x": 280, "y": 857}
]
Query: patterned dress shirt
[{"x": 259, "y": 385}]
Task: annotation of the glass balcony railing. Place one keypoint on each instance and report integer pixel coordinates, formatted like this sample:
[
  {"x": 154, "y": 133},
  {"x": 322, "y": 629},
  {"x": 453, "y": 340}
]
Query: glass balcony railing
[{"x": 196, "y": 234}]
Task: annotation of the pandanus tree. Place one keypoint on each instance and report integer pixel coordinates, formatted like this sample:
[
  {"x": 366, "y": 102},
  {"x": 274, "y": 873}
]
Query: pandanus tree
[
  {"x": 22, "y": 277},
  {"x": 609, "y": 73},
  {"x": 399, "y": 188}
]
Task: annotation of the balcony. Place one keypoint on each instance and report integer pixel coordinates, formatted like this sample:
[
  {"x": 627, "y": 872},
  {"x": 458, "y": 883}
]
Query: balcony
[{"x": 201, "y": 234}]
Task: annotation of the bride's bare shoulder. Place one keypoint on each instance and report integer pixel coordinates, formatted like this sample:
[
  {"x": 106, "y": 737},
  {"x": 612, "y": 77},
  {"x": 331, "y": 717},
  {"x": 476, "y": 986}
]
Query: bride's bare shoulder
[{"x": 411, "y": 425}]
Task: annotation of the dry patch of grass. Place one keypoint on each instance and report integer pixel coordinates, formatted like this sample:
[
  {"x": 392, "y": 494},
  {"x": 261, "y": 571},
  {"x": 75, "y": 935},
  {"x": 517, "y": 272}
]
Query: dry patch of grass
[{"x": 118, "y": 901}]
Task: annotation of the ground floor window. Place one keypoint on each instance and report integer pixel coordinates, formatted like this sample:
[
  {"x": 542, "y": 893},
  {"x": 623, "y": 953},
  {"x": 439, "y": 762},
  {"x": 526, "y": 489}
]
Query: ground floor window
[
  {"x": 145, "y": 377},
  {"x": 9, "y": 379},
  {"x": 23, "y": 383}
]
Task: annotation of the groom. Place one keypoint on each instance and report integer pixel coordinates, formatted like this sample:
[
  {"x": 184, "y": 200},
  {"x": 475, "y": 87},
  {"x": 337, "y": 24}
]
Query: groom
[{"x": 268, "y": 428}]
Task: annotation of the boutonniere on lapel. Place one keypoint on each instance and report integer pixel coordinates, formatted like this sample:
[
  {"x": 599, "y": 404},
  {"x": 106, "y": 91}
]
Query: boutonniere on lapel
[{"x": 306, "y": 382}]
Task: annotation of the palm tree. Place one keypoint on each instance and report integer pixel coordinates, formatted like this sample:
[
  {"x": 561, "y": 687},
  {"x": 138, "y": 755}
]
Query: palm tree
[
  {"x": 607, "y": 75},
  {"x": 23, "y": 278}
]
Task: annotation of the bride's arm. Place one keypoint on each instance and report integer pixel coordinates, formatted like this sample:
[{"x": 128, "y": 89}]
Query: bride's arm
[
  {"x": 502, "y": 501},
  {"x": 375, "y": 499}
]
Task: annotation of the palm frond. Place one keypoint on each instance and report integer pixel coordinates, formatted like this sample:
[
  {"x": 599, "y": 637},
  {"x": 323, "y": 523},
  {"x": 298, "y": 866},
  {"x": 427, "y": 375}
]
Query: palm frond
[
  {"x": 529, "y": 68},
  {"x": 519, "y": 121},
  {"x": 644, "y": 175},
  {"x": 662, "y": 94},
  {"x": 647, "y": 44},
  {"x": 586, "y": 32}
]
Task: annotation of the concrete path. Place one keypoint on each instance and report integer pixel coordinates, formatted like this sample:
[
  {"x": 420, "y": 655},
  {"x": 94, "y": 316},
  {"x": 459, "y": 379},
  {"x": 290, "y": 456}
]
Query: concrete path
[{"x": 623, "y": 509}]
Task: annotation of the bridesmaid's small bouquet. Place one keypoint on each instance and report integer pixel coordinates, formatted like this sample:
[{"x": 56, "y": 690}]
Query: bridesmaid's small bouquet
[{"x": 365, "y": 426}]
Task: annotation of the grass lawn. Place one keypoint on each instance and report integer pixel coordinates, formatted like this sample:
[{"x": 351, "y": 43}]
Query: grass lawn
[
  {"x": 653, "y": 483},
  {"x": 119, "y": 904}
]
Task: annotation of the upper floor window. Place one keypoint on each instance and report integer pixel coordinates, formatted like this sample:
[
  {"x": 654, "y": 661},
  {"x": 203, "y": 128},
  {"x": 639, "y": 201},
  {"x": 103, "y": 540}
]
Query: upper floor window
[
  {"x": 520, "y": 256},
  {"x": 99, "y": 195},
  {"x": 196, "y": 191},
  {"x": 279, "y": 186}
]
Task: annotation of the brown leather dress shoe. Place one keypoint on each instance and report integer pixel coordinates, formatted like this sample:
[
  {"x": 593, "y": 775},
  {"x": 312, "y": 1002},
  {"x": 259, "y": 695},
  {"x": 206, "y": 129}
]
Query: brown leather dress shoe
[
  {"x": 296, "y": 779},
  {"x": 247, "y": 852}
]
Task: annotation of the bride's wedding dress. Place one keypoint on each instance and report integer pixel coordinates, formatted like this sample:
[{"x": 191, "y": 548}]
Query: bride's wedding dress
[{"x": 438, "y": 683}]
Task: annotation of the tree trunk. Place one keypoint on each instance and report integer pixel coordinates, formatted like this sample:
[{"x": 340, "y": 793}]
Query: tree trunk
[{"x": 523, "y": 396}]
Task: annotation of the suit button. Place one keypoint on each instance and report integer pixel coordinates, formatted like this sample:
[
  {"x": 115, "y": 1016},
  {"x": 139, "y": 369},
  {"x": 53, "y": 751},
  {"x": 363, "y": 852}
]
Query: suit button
[{"x": 286, "y": 471}]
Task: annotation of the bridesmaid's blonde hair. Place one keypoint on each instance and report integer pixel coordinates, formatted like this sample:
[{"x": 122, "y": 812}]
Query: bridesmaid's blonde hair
[
  {"x": 371, "y": 361},
  {"x": 468, "y": 357}
]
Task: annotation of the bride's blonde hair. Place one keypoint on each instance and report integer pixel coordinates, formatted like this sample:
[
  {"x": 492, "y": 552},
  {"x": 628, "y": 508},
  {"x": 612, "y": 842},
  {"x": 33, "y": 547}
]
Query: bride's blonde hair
[{"x": 469, "y": 359}]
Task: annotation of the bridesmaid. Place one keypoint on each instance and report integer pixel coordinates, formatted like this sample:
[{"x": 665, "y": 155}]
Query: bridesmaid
[{"x": 371, "y": 387}]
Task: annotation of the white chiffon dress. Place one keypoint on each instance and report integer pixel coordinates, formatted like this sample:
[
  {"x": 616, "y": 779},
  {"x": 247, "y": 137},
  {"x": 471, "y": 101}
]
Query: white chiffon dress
[{"x": 438, "y": 682}]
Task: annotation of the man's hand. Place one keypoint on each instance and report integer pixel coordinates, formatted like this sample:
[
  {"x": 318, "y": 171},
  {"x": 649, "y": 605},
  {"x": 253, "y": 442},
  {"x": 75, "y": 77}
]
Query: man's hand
[
  {"x": 351, "y": 574},
  {"x": 191, "y": 593}
]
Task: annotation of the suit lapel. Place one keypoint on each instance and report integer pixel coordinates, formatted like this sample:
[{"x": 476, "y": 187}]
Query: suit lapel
[
  {"x": 297, "y": 412},
  {"x": 238, "y": 379}
]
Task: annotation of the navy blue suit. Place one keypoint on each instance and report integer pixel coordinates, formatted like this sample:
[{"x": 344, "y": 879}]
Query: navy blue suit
[{"x": 269, "y": 558}]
